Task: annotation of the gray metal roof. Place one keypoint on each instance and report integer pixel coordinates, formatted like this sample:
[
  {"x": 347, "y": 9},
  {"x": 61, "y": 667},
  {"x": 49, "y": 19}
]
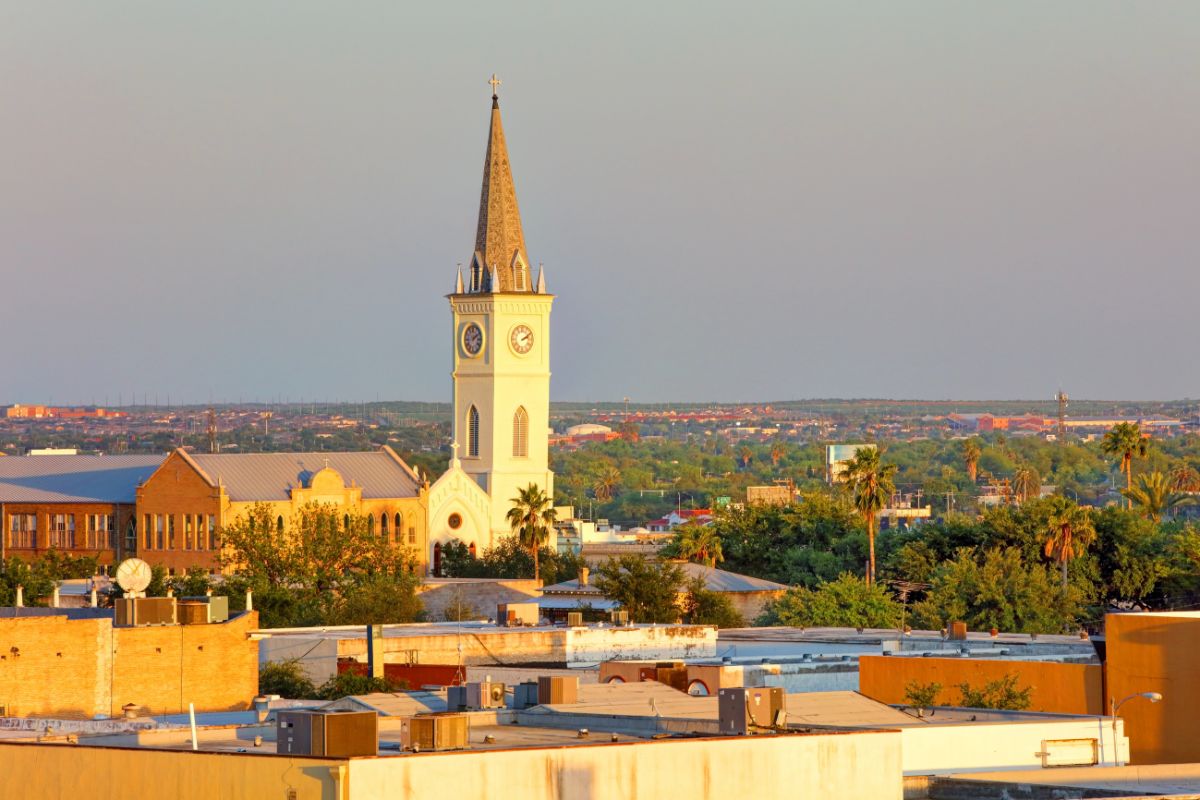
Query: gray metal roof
[
  {"x": 270, "y": 476},
  {"x": 74, "y": 479},
  {"x": 715, "y": 580}
]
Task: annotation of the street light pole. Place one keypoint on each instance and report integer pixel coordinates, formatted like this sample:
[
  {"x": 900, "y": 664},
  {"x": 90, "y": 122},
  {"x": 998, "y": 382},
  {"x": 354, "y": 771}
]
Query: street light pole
[{"x": 1153, "y": 697}]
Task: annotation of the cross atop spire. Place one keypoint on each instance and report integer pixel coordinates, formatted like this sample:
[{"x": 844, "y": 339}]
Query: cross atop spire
[
  {"x": 495, "y": 82},
  {"x": 500, "y": 263}
]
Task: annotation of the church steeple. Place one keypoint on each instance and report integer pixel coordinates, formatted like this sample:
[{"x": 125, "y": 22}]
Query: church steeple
[{"x": 499, "y": 239}]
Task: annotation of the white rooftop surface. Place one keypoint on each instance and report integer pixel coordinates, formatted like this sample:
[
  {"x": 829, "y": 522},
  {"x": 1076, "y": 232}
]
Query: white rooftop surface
[
  {"x": 429, "y": 629},
  {"x": 1160, "y": 779}
]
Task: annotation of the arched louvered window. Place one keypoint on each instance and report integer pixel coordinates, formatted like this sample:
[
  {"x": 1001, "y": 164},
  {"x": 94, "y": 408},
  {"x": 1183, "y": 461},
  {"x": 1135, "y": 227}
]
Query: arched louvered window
[
  {"x": 520, "y": 433},
  {"x": 473, "y": 432}
]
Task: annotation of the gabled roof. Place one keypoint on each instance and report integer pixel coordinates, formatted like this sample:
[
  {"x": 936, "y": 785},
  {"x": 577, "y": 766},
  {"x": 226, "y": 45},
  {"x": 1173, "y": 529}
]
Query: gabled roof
[
  {"x": 715, "y": 580},
  {"x": 74, "y": 479},
  {"x": 251, "y": 477}
]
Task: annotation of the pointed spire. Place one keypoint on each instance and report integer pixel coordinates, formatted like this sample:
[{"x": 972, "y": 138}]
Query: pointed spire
[
  {"x": 541, "y": 284},
  {"x": 458, "y": 284},
  {"x": 499, "y": 239}
]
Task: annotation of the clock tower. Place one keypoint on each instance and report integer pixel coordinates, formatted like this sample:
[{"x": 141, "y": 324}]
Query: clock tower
[{"x": 501, "y": 347}]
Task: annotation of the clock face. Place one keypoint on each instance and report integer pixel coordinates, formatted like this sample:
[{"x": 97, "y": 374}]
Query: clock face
[
  {"x": 472, "y": 340},
  {"x": 521, "y": 339}
]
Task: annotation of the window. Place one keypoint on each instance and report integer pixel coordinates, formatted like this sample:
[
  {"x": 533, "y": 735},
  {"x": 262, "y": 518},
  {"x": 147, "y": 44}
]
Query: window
[
  {"x": 437, "y": 559},
  {"x": 383, "y": 529},
  {"x": 455, "y": 521},
  {"x": 62, "y": 531},
  {"x": 101, "y": 531},
  {"x": 346, "y": 522},
  {"x": 399, "y": 528},
  {"x": 159, "y": 542},
  {"x": 131, "y": 536},
  {"x": 279, "y": 524},
  {"x": 471, "y": 550},
  {"x": 520, "y": 433},
  {"x": 519, "y": 275},
  {"x": 371, "y": 525},
  {"x": 170, "y": 531},
  {"x": 188, "y": 537},
  {"x": 213, "y": 542},
  {"x": 412, "y": 535},
  {"x": 22, "y": 530},
  {"x": 148, "y": 533},
  {"x": 200, "y": 537},
  {"x": 473, "y": 432}
]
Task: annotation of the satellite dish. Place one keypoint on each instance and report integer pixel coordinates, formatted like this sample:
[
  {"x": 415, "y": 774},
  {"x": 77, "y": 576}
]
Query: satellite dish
[{"x": 133, "y": 575}]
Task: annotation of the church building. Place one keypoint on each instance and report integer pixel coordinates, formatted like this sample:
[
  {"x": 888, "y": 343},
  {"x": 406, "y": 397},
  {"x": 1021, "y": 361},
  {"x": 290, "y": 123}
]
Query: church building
[{"x": 500, "y": 358}]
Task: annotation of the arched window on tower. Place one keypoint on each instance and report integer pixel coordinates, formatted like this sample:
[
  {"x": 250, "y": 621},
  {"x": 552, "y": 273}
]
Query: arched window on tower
[
  {"x": 473, "y": 432},
  {"x": 520, "y": 433}
]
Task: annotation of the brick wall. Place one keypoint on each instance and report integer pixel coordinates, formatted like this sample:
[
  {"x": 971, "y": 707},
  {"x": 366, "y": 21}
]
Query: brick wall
[
  {"x": 45, "y": 512},
  {"x": 52, "y": 666}
]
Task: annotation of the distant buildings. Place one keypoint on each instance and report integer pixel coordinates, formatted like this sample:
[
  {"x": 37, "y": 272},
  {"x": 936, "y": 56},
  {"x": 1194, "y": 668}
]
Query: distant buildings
[{"x": 18, "y": 411}]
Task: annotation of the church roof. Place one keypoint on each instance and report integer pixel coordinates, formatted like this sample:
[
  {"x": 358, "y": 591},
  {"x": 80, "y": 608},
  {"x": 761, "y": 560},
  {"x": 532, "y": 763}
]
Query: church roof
[
  {"x": 499, "y": 239},
  {"x": 251, "y": 477}
]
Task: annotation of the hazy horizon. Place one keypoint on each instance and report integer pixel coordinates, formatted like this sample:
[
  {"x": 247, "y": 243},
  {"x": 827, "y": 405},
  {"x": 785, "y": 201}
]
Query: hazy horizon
[{"x": 809, "y": 200}]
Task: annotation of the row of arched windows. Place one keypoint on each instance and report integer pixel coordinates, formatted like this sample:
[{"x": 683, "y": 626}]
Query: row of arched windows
[{"x": 520, "y": 433}]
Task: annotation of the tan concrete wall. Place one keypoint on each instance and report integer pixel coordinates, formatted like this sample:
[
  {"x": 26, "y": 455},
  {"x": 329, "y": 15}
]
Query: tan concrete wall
[
  {"x": 856, "y": 765},
  {"x": 101, "y": 773},
  {"x": 1065, "y": 688},
  {"x": 52, "y": 666},
  {"x": 1156, "y": 653}
]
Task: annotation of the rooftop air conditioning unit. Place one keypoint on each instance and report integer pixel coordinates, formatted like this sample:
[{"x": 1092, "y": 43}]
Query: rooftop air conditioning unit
[
  {"x": 218, "y": 606},
  {"x": 427, "y": 732},
  {"x": 557, "y": 689},
  {"x": 485, "y": 694},
  {"x": 525, "y": 695},
  {"x": 747, "y": 710},
  {"x": 327, "y": 733},
  {"x": 515, "y": 615},
  {"x": 619, "y": 617},
  {"x": 574, "y": 619}
]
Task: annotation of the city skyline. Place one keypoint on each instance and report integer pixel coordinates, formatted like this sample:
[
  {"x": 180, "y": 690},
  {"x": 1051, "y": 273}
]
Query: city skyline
[{"x": 824, "y": 205}]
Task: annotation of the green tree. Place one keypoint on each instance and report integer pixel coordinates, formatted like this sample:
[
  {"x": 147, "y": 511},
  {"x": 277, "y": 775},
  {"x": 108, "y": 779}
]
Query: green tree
[
  {"x": 377, "y": 600},
  {"x": 1069, "y": 532},
  {"x": 847, "y": 602},
  {"x": 648, "y": 590},
  {"x": 970, "y": 454},
  {"x": 870, "y": 481},
  {"x": 1026, "y": 484},
  {"x": 998, "y": 588},
  {"x": 704, "y": 607},
  {"x": 1002, "y": 693},
  {"x": 531, "y": 517},
  {"x": 1125, "y": 441},
  {"x": 700, "y": 543},
  {"x": 606, "y": 484},
  {"x": 1155, "y": 496},
  {"x": 286, "y": 679}
]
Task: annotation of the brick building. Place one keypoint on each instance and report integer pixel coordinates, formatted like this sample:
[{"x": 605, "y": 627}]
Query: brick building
[
  {"x": 81, "y": 505},
  {"x": 182, "y": 506}
]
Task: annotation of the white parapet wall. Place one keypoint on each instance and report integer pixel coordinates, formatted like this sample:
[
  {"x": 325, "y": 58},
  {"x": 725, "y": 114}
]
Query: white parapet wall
[
  {"x": 589, "y": 646},
  {"x": 819, "y": 766},
  {"x": 1016, "y": 745}
]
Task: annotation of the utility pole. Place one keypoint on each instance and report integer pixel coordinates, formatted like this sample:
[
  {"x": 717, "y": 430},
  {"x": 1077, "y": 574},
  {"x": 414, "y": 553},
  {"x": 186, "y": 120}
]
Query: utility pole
[
  {"x": 949, "y": 500},
  {"x": 212, "y": 430}
]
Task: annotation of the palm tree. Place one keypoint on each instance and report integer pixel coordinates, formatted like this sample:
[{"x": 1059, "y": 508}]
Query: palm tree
[
  {"x": 971, "y": 454},
  {"x": 776, "y": 454},
  {"x": 1069, "y": 532},
  {"x": 746, "y": 455},
  {"x": 1026, "y": 484},
  {"x": 1154, "y": 495},
  {"x": 1185, "y": 479},
  {"x": 606, "y": 485},
  {"x": 1126, "y": 441},
  {"x": 871, "y": 482},
  {"x": 531, "y": 516},
  {"x": 701, "y": 543}
]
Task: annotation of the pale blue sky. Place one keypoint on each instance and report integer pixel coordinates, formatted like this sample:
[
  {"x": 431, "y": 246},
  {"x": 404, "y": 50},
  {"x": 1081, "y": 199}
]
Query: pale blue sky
[{"x": 733, "y": 201}]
